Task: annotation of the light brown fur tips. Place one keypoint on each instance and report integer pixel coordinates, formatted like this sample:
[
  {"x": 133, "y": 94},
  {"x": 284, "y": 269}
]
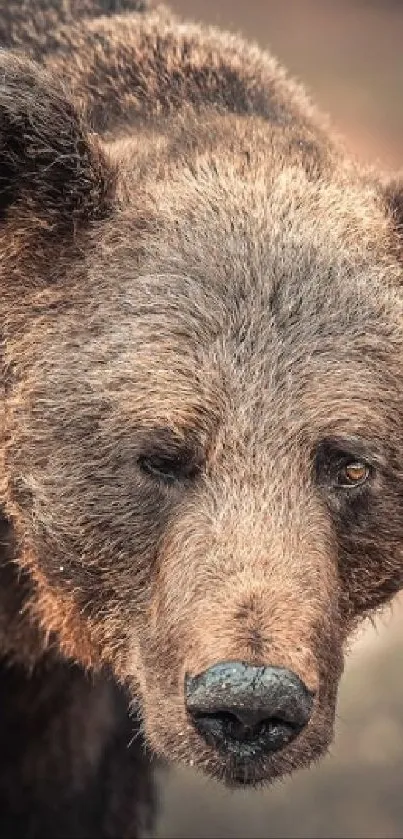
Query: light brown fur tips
[{"x": 201, "y": 316}]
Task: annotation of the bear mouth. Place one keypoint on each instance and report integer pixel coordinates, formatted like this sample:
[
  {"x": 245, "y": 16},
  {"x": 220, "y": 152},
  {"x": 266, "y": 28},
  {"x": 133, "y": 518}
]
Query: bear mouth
[
  {"x": 242, "y": 757},
  {"x": 245, "y": 778},
  {"x": 245, "y": 772}
]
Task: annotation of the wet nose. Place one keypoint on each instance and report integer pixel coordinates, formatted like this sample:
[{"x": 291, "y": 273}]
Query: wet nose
[{"x": 236, "y": 706}]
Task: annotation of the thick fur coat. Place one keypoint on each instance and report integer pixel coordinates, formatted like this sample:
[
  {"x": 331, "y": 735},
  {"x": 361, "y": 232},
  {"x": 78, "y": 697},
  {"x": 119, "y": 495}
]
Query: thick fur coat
[{"x": 202, "y": 346}]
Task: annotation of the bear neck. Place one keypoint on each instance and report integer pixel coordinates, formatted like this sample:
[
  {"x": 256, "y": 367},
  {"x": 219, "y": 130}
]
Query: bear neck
[{"x": 21, "y": 639}]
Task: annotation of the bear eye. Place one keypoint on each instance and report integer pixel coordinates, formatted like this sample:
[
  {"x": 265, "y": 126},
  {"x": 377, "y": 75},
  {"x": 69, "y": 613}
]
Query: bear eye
[
  {"x": 353, "y": 474},
  {"x": 167, "y": 468},
  {"x": 338, "y": 468}
]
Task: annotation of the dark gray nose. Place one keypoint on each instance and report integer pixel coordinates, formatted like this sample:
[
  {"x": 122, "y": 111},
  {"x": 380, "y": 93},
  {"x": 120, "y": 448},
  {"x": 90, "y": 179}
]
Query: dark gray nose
[{"x": 238, "y": 707}]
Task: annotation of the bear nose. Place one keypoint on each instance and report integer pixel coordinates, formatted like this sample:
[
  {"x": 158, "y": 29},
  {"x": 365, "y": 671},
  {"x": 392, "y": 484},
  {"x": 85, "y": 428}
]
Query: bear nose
[{"x": 238, "y": 707}]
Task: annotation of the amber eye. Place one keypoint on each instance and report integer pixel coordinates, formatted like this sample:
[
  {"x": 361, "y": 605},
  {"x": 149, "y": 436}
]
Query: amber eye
[{"x": 353, "y": 474}]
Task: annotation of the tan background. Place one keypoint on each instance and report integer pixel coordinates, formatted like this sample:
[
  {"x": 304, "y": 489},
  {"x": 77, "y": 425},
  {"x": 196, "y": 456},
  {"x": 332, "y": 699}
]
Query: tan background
[{"x": 350, "y": 55}]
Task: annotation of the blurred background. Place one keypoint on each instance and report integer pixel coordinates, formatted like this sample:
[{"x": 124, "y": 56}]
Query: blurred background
[{"x": 349, "y": 54}]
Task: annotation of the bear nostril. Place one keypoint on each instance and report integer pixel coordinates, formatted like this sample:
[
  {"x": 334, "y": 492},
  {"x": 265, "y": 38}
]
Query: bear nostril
[
  {"x": 225, "y": 725},
  {"x": 234, "y": 703}
]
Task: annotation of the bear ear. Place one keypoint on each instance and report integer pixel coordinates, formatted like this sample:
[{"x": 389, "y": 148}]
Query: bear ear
[{"x": 51, "y": 168}]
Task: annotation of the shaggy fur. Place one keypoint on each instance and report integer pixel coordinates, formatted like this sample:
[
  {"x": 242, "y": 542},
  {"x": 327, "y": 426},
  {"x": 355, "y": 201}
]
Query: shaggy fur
[{"x": 201, "y": 316}]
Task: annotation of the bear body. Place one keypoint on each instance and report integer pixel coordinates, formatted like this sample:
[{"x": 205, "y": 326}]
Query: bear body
[
  {"x": 67, "y": 769},
  {"x": 202, "y": 448}
]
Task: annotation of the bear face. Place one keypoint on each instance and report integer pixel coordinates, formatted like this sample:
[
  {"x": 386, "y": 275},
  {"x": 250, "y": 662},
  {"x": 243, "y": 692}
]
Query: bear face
[{"x": 202, "y": 368}]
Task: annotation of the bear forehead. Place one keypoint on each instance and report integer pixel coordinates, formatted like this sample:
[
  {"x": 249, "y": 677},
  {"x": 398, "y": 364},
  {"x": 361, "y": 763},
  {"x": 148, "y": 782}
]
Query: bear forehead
[
  {"x": 250, "y": 256},
  {"x": 239, "y": 214}
]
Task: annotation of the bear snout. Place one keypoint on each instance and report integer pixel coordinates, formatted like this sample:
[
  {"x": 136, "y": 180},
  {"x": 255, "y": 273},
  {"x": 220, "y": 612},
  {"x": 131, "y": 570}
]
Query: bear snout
[{"x": 247, "y": 711}]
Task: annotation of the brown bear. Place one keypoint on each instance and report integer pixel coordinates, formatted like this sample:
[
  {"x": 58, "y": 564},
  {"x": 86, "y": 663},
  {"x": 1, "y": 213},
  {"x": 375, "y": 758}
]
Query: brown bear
[{"x": 202, "y": 448}]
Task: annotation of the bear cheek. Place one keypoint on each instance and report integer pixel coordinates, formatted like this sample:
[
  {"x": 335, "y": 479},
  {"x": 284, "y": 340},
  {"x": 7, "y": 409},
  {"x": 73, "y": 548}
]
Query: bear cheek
[{"x": 370, "y": 558}]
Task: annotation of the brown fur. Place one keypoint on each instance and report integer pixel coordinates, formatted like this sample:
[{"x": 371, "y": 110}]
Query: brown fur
[{"x": 192, "y": 267}]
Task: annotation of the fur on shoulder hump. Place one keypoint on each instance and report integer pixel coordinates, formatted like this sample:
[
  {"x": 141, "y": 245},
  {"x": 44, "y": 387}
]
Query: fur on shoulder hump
[
  {"x": 123, "y": 66},
  {"x": 130, "y": 67},
  {"x": 30, "y": 25}
]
